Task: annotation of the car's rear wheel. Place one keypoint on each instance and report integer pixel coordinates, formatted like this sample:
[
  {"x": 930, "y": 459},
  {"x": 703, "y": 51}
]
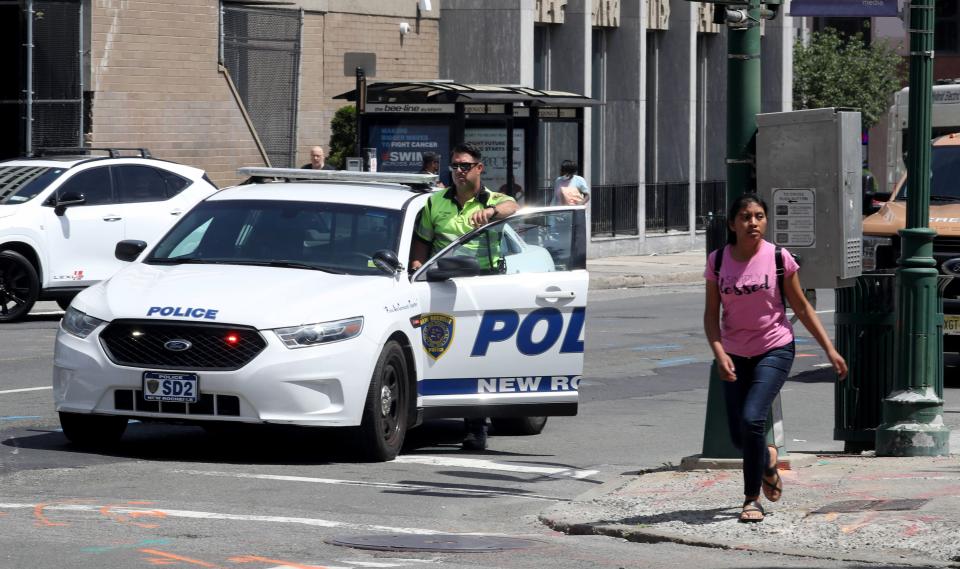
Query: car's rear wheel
[
  {"x": 385, "y": 414},
  {"x": 92, "y": 430},
  {"x": 519, "y": 426},
  {"x": 19, "y": 286}
]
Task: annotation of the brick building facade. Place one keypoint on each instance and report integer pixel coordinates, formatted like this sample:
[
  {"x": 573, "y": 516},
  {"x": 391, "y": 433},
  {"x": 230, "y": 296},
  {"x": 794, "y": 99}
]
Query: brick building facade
[{"x": 153, "y": 74}]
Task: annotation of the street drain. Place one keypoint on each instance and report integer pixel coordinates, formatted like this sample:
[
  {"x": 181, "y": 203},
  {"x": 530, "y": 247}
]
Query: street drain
[
  {"x": 850, "y": 506},
  {"x": 437, "y": 542}
]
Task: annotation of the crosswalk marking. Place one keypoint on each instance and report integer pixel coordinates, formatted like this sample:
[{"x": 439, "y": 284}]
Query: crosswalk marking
[
  {"x": 551, "y": 472},
  {"x": 384, "y": 485}
]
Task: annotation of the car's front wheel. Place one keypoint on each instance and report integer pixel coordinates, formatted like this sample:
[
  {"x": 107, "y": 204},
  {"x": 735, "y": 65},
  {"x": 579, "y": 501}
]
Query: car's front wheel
[
  {"x": 92, "y": 430},
  {"x": 385, "y": 414},
  {"x": 19, "y": 286},
  {"x": 520, "y": 426}
]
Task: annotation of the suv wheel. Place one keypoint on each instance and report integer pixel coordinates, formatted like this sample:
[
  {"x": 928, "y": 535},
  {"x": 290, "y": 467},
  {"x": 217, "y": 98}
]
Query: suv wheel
[{"x": 19, "y": 286}]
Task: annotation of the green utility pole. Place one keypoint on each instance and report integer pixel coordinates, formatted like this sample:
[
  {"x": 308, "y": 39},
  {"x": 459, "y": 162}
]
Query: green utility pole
[
  {"x": 913, "y": 411},
  {"x": 743, "y": 105}
]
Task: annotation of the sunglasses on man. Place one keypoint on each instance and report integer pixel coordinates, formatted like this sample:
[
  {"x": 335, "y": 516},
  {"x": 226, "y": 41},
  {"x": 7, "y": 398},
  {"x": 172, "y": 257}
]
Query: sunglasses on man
[{"x": 462, "y": 166}]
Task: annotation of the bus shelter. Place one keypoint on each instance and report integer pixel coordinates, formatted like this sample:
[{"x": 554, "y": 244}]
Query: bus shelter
[{"x": 523, "y": 133}]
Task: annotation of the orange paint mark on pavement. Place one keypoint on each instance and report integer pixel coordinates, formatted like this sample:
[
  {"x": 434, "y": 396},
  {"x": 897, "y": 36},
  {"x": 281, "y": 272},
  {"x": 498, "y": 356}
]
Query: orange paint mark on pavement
[
  {"x": 40, "y": 516},
  {"x": 129, "y": 516},
  {"x": 165, "y": 558},
  {"x": 256, "y": 559}
]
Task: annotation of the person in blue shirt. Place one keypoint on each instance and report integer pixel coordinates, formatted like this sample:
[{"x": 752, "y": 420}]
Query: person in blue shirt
[{"x": 569, "y": 188}]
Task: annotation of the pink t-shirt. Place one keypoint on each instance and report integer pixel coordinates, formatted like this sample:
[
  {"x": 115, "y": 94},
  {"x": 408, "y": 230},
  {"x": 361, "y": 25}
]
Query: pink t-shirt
[{"x": 753, "y": 320}]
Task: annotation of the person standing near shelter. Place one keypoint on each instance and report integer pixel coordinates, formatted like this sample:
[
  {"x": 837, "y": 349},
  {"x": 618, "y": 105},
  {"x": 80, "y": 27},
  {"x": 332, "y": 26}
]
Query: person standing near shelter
[
  {"x": 753, "y": 342},
  {"x": 451, "y": 214},
  {"x": 431, "y": 165},
  {"x": 569, "y": 188},
  {"x": 318, "y": 160}
]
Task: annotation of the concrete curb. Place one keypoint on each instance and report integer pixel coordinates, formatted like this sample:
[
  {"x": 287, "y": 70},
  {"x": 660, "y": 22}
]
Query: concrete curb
[
  {"x": 607, "y": 281},
  {"x": 583, "y": 517},
  {"x": 639, "y": 534}
]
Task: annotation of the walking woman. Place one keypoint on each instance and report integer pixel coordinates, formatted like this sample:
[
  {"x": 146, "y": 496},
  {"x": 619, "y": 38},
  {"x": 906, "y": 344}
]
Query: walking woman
[{"x": 752, "y": 341}]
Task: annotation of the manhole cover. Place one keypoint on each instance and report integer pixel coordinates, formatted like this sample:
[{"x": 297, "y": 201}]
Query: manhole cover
[
  {"x": 437, "y": 542},
  {"x": 850, "y": 506}
]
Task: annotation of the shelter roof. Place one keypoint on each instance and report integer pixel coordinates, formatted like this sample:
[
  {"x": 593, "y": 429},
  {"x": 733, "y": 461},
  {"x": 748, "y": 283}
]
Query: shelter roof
[{"x": 440, "y": 91}]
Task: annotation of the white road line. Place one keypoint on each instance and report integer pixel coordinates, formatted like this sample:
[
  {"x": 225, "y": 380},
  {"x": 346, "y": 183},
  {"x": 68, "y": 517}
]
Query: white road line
[
  {"x": 23, "y": 389},
  {"x": 190, "y": 514},
  {"x": 384, "y": 485},
  {"x": 491, "y": 465}
]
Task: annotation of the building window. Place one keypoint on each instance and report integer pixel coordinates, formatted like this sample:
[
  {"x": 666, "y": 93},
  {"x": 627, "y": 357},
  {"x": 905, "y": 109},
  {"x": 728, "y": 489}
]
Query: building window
[
  {"x": 541, "y": 57},
  {"x": 945, "y": 38}
]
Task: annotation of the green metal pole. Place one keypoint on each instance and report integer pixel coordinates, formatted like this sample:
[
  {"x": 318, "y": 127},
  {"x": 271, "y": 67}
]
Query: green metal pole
[
  {"x": 743, "y": 105},
  {"x": 913, "y": 411}
]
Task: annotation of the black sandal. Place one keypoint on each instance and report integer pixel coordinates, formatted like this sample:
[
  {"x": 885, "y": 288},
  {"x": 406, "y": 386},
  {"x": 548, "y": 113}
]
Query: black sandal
[{"x": 751, "y": 507}]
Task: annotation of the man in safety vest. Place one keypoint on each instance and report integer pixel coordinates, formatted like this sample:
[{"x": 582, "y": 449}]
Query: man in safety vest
[{"x": 451, "y": 214}]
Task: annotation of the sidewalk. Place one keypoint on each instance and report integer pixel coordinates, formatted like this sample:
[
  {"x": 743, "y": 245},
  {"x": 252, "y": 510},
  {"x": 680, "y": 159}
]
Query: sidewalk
[
  {"x": 633, "y": 271},
  {"x": 895, "y": 511},
  {"x": 901, "y": 511}
]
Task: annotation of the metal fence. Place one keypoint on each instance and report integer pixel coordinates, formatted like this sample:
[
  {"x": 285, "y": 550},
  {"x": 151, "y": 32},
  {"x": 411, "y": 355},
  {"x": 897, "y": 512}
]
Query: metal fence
[
  {"x": 613, "y": 210},
  {"x": 711, "y": 201},
  {"x": 41, "y": 100},
  {"x": 261, "y": 50},
  {"x": 667, "y": 206}
]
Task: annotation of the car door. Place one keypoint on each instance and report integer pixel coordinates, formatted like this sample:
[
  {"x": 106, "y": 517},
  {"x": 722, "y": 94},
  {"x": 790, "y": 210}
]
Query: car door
[
  {"x": 503, "y": 318},
  {"x": 153, "y": 199},
  {"x": 81, "y": 241}
]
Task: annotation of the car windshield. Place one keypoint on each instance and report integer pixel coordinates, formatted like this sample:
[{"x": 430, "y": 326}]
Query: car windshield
[
  {"x": 944, "y": 173},
  {"x": 337, "y": 238},
  {"x": 19, "y": 184}
]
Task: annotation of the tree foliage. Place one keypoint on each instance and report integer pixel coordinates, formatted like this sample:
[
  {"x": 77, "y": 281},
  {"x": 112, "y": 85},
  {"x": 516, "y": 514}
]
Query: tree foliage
[
  {"x": 343, "y": 136},
  {"x": 836, "y": 71}
]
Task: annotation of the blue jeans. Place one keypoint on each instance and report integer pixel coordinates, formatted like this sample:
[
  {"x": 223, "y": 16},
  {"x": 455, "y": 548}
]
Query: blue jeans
[{"x": 759, "y": 379}]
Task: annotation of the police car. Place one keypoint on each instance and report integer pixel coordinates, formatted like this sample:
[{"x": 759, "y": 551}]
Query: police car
[{"x": 288, "y": 300}]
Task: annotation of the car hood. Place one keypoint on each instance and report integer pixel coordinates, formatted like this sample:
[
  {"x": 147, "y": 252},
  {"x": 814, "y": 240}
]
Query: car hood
[
  {"x": 892, "y": 217},
  {"x": 262, "y": 297}
]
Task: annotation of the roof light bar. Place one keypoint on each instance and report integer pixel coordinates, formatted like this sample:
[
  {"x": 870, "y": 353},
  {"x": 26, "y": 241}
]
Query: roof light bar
[{"x": 339, "y": 175}]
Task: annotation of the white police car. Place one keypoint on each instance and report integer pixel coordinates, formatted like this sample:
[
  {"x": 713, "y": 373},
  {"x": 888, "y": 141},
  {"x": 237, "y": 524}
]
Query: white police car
[
  {"x": 289, "y": 302},
  {"x": 62, "y": 213}
]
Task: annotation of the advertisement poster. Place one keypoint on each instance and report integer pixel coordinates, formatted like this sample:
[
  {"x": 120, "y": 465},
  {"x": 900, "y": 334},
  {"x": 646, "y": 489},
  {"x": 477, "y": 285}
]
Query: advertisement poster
[
  {"x": 845, "y": 8},
  {"x": 493, "y": 144},
  {"x": 401, "y": 148}
]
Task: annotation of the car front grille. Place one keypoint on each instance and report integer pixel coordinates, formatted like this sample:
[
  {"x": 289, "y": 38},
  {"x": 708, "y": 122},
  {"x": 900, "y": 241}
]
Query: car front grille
[
  {"x": 209, "y": 404},
  {"x": 145, "y": 343}
]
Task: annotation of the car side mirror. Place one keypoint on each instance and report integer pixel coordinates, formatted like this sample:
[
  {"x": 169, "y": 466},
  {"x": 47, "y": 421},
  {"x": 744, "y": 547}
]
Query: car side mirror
[
  {"x": 387, "y": 261},
  {"x": 129, "y": 249},
  {"x": 447, "y": 268},
  {"x": 66, "y": 200}
]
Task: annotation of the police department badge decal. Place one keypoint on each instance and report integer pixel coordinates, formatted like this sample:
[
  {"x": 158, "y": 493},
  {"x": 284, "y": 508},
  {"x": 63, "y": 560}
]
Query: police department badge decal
[{"x": 437, "y": 332}]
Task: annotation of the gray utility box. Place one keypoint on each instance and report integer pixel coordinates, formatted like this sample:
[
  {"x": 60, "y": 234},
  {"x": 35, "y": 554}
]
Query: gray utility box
[{"x": 809, "y": 173}]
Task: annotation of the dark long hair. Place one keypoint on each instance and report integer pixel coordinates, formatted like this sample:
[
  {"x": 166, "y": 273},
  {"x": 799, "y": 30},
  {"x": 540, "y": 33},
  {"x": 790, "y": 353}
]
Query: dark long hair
[{"x": 738, "y": 204}]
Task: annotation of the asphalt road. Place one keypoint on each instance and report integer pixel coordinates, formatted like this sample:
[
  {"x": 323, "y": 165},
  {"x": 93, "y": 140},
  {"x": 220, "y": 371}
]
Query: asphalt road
[{"x": 271, "y": 498}]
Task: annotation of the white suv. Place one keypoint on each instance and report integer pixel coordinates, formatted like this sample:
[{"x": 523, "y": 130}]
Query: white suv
[
  {"x": 290, "y": 303},
  {"x": 62, "y": 214}
]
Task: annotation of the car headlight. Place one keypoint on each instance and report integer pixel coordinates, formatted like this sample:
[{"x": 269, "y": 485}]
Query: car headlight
[
  {"x": 323, "y": 333},
  {"x": 78, "y": 323},
  {"x": 870, "y": 246}
]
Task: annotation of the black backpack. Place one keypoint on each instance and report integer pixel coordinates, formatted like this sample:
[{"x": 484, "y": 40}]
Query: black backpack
[{"x": 778, "y": 255}]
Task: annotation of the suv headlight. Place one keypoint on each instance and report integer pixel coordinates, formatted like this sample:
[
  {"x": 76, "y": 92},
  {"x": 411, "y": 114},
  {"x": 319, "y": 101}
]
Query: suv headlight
[
  {"x": 323, "y": 333},
  {"x": 78, "y": 323},
  {"x": 870, "y": 246}
]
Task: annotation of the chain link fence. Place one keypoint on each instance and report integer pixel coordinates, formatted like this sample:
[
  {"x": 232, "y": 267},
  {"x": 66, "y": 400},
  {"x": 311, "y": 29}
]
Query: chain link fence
[{"x": 261, "y": 50}]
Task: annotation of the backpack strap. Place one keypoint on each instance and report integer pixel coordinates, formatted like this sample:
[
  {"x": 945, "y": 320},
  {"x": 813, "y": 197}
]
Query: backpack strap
[
  {"x": 717, "y": 262},
  {"x": 778, "y": 253}
]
